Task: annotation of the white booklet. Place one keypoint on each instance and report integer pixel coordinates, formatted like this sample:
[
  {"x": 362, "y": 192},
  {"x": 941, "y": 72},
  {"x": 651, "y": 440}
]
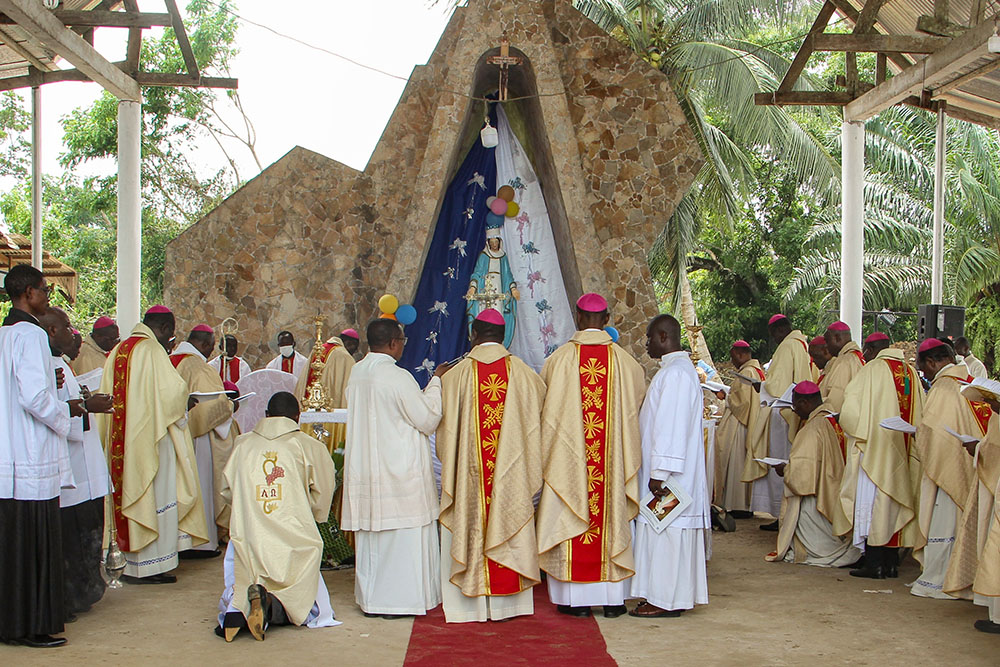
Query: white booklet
[
  {"x": 91, "y": 380},
  {"x": 964, "y": 439},
  {"x": 200, "y": 395},
  {"x": 768, "y": 461},
  {"x": 713, "y": 387},
  {"x": 661, "y": 511},
  {"x": 783, "y": 401},
  {"x": 981, "y": 389},
  {"x": 897, "y": 424}
]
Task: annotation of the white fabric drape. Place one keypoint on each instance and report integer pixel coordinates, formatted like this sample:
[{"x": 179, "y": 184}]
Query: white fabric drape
[{"x": 544, "y": 318}]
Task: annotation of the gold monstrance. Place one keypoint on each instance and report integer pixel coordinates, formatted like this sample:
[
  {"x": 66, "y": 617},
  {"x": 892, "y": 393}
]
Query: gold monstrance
[
  {"x": 489, "y": 298},
  {"x": 315, "y": 399}
]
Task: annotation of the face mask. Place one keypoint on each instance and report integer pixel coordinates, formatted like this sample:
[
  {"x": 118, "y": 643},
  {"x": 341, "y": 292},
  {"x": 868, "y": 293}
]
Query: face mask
[{"x": 286, "y": 350}]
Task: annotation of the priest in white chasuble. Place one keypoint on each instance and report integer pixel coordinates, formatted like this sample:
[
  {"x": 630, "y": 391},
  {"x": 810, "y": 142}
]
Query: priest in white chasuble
[
  {"x": 95, "y": 347},
  {"x": 280, "y": 482},
  {"x": 790, "y": 364},
  {"x": 390, "y": 496},
  {"x": 879, "y": 492},
  {"x": 812, "y": 478},
  {"x": 846, "y": 363},
  {"x": 153, "y": 469},
  {"x": 742, "y": 418},
  {"x": 489, "y": 444},
  {"x": 210, "y": 422},
  {"x": 670, "y": 565},
  {"x": 337, "y": 363},
  {"x": 948, "y": 471},
  {"x": 590, "y": 455}
]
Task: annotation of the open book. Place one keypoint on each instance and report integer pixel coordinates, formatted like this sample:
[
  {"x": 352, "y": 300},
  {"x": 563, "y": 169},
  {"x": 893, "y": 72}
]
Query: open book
[
  {"x": 783, "y": 401},
  {"x": 964, "y": 439},
  {"x": 768, "y": 461},
  {"x": 713, "y": 387},
  {"x": 91, "y": 380},
  {"x": 981, "y": 389},
  {"x": 661, "y": 512},
  {"x": 898, "y": 424}
]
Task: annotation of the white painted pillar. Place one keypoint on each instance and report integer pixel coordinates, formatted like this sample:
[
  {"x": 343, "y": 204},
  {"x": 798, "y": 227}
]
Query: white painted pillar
[
  {"x": 129, "y": 215},
  {"x": 36, "y": 177},
  {"x": 852, "y": 241},
  {"x": 937, "y": 249}
]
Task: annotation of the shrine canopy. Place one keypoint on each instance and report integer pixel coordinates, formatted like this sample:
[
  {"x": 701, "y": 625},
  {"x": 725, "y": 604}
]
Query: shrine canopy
[
  {"x": 16, "y": 249},
  {"x": 941, "y": 54}
]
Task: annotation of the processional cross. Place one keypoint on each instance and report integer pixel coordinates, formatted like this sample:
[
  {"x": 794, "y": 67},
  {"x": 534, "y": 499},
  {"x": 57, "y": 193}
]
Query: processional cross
[{"x": 504, "y": 61}]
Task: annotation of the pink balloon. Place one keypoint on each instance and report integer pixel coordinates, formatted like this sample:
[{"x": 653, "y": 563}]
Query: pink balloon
[
  {"x": 489, "y": 201},
  {"x": 499, "y": 206}
]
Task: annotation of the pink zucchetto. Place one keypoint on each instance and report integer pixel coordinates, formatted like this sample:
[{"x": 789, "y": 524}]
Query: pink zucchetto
[
  {"x": 158, "y": 310},
  {"x": 742, "y": 344},
  {"x": 806, "y": 388},
  {"x": 350, "y": 333},
  {"x": 929, "y": 344},
  {"x": 491, "y": 316},
  {"x": 838, "y": 326},
  {"x": 818, "y": 341},
  {"x": 76, "y": 333},
  {"x": 231, "y": 387},
  {"x": 876, "y": 337},
  {"x": 592, "y": 303},
  {"x": 775, "y": 319},
  {"x": 104, "y": 321},
  {"x": 203, "y": 328}
]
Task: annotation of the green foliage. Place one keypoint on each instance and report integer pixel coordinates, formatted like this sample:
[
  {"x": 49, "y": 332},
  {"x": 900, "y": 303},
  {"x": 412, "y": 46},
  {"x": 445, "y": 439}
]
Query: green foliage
[{"x": 982, "y": 326}]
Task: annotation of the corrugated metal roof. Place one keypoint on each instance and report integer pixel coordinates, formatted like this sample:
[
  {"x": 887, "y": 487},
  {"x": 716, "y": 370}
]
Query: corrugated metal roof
[{"x": 13, "y": 62}]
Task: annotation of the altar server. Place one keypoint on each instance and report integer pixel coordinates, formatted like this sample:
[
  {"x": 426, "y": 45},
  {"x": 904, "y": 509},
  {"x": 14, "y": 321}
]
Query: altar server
[
  {"x": 81, "y": 509},
  {"x": 95, "y": 348},
  {"x": 390, "y": 497},
  {"x": 489, "y": 444},
  {"x": 948, "y": 471},
  {"x": 670, "y": 565},
  {"x": 288, "y": 360},
  {"x": 874, "y": 344},
  {"x": 280, "y": 482},
  {"x": 229, "y": 366},
  {"x": 591, "y": 455},
  {"x": 847, "y": 361},
  {"x": 34, "y": 465},
  {"x": 153, "y": 469},
  {"x": 790, "y": 364},
  {"x": 963, "y": 348},
  {"x": 812, "y": 486},
  {"x": 878, "y": 495},
  {"x": 210, "y": 421},
  {"x": 741, "y": 421}
]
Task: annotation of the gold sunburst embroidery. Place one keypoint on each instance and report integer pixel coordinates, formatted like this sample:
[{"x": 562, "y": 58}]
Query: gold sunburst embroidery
[
  {"x": 594, "y": 477},
  {"x": 593, "y": 370},
  {"x": 493, "y": 387},
  {"x": 591, "y": 534},
  {"x": 592, "y": 424},
  {"x": 592, "y": 398},
  {"x": 491, "y": 441}
]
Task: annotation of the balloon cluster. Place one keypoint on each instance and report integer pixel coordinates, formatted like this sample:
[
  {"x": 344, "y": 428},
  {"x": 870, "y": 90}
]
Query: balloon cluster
[
  {"x": 391, "y": 309},
  {"x": 501, "y": 206}
]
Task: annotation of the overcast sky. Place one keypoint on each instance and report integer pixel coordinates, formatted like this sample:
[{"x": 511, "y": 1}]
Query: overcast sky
[{"x": 295, "y": 95}]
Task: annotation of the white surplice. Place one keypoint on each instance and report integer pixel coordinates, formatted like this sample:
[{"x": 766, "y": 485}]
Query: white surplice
[
  {"x": 86, "y": 455},
  {"x": 216, "y": 362},
  {"x": 298, "y": 366},
  {"x": 390, "y": 497},
  {"x": 34, "y": 457},
  {"x": 670, "y": 565}
]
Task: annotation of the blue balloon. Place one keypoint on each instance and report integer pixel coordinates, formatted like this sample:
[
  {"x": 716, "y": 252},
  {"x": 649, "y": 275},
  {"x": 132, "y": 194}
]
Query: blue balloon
[
  {"x": 406, "y": 314},
  {"x": 494, "y": 220},
  {"x": 610, "y": 330}
]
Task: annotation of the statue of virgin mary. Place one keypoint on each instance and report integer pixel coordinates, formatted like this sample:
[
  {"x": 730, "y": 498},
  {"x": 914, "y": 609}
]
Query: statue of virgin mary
[{"x": 492, "y": 285}]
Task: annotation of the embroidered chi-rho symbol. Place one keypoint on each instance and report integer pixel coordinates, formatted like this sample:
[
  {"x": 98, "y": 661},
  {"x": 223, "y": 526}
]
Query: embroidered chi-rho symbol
[{"x": 269, "y": 493}]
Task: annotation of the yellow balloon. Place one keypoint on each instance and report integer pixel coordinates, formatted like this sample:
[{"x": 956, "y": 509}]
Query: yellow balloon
[
  {"x": 388, "y": 304},
  {"x": 512, "y": 209}
]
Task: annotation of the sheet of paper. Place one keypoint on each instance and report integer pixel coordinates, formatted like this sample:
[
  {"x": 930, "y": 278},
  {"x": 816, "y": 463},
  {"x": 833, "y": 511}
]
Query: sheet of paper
[
  {"x": 207, "y": 394},
  {"x": 244, "y": 397},
  {"x": 981, "y": 389},
  {"x": 897, "y": 424},
  {"x": 91, "y": 380},
  {"x": 965, "y": 439},
  {"x": 714, "y": 386},
  {"x": 768, "y": 461}
]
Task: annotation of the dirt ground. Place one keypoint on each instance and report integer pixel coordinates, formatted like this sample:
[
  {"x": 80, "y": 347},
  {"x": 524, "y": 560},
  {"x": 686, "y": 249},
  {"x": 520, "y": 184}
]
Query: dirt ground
[{"x": 759, "y": 613}]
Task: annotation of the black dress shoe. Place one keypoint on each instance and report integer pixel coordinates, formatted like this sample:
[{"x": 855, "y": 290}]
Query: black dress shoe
[
  {"x": 579, "y": 612},
  {"x": 740, "y": 514},
  {"x": 987, "y": 626},
  {"x": 614, "y": 610},
  {"x": 770, "y": 527},
  {"x": 198, "y": 554},
  {"x": 155, "y": 579},
  {"x": 41, "y": 641},
  {"x": 869, "y": 572}
]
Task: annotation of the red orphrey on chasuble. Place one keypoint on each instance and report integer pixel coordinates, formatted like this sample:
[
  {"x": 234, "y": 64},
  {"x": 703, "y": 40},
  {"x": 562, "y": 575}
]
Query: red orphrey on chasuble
[
  {"x": 327, "y": 349},
  {"x": 840, "y": 435},
  {"x": 904, "y": 396},
  {"x": 491, "y": 396},
  {"x": 116, "y": 450},
  {"x": 860, "y": 355},
  {"x": 176, "y": 359},
  {"x": 587, "y": 558},
  {"x": 981, "y": 411}
]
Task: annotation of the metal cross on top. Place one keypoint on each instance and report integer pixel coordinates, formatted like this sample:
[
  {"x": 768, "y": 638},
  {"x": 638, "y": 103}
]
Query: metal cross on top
[{"x": 504, "y": 61}]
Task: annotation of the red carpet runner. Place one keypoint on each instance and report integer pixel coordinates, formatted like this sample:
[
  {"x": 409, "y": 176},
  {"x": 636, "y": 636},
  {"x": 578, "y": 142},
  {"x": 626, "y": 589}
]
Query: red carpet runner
[{"x": 547, "y": 638}]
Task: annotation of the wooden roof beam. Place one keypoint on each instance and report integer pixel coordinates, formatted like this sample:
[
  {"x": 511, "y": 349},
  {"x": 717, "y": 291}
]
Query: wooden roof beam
[
  {"x": 802, "y": 57},
  {"x": 153, "y": 79},
  {"x": 42, "y": 25},
  {"x": 182, "y": 38},
  {"x": 876, "y": 43},
  {"x": 936, "y": 69},
  {"x": 803, "y": 98},
  {"x": 105, "y": 19}
]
